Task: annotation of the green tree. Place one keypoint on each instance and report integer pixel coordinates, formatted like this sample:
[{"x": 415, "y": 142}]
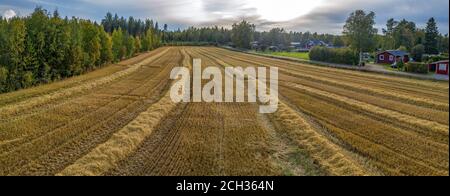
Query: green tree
[
  {"x": 404, "y": 34},
  {"x": 419, "y": 37},
  {"x": 147, "y": 41},
  {"x": 389, "y": 41},
  {"x": 242, "y": 34},
  {"x": 117, "y": 44},
  {"x": 43, "y": 47},
  {"x": 16, "y": 55},
  {"x": 360, "y": 32},
  {"x": 137, "y": 45},
  {"x": 75, "y": 57},
  {"x": 402, "y": 48},
  {"x": 3, "y": 41},
  {"x": 130, "y": 44},
  {"x": 36, "y": 45},
  {"x": 106, "y": 54},
  {"x": 444, "y": 44},
  {"x": 91, "y": 44},
  {"x": 277, "y": 37},
  {"x": 108, "y": 23},
  {"x": 58, "y": 42},
  {"x": 338, "y": 42},
  {"x": 417, "y": 52},
  {"x": 431, "y": 37},
  {"x": 156, "y": 39},
  {"x": 3, "y": 55},
  {"x": 3, "y": 79}
]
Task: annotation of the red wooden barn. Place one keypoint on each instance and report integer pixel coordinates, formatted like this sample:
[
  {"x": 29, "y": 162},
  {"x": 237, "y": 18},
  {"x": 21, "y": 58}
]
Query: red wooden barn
[
  {"x": 440, "y": 67},
  {"x": 392, "y": 56}
]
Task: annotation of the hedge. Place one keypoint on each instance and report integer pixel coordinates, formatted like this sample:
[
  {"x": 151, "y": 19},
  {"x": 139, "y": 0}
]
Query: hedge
[
  {"x": 434, "y": 58},
  {"x": 332, "y": 55},
  {"x": 415, "y": 67}
]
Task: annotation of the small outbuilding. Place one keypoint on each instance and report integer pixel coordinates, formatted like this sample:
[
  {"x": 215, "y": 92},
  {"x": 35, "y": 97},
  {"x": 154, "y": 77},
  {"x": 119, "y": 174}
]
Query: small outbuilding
[
  {"x": 274, "y": 48},
  {"x": 255, "y": 45},
  {"x": 313, "y": 43},
  {"x": 439, "y": 67},
  {"x": 392, "y": 56}
]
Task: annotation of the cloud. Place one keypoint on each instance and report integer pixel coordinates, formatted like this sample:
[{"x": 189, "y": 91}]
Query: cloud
[
  {"x": 323, "y": 16},
  {"x": 331, "y": 15},
  {"x": 9, "y": 14}
]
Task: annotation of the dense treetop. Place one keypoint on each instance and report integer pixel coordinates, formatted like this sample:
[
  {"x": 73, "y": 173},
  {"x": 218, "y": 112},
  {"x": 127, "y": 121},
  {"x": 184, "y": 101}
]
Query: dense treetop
[{"x": 44, "y": 47}]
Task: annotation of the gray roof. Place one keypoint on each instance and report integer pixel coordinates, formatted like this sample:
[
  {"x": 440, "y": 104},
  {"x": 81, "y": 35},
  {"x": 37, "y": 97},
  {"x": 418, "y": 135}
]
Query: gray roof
[
  {"x": 396, "y": 52},
  {"x": 316, "y": 42}
]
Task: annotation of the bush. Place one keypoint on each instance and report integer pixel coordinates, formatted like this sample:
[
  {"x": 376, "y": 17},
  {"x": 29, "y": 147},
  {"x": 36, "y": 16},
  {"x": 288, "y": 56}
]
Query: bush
[
  {"x": 27, "y": 79},
  {"x": 417, "y": 52},
  {"x": 434, "y": 58},
  {"x": 3, "y": 78},
  {"x": 402, "y": 48},
  {"x": 400, "y": 65},
  {"x": 416, "y": 67},
  {"x": 330, "y": 55}
]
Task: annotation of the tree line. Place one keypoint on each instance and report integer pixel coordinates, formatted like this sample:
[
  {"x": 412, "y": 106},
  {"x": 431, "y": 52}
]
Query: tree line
[
  {"x": 45, "y": 47},
  {"x": 212, "y": 35},
  {"x": 243, "y": 33},
  {"x": 281, "y": 37},
  {"x": 359, "y": 34}
]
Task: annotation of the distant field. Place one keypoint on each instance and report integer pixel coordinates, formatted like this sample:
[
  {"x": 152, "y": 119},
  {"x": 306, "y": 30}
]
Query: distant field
[
  {"x": 120, "y": 121},
  {"x": 298, "y": 55}
]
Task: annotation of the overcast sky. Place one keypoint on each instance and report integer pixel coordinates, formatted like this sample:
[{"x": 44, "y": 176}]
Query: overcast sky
[{"x": 323, "y": 16}]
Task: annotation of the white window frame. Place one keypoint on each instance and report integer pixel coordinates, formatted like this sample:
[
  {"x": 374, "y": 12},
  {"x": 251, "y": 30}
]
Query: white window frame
[
  {"x": 391, "y": 57},
  {"x": 442, "y": 65},
  {"x": 381, "y": 57}
]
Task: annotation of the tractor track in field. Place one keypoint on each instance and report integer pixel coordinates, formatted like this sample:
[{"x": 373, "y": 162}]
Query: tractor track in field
[
  {"x": 441, "y": 122},
  {"x": 344, "y": 165},
  {"x": 119, "y": 120},
  {"x": 197, "y": 139},
  {"x": 30, "y": 105},
  {"x": 318, "y": 76},
  {"x": 72, "y": 145},
  {"x": 93, "y": 95},
  {"x": 417, "y": 153}
]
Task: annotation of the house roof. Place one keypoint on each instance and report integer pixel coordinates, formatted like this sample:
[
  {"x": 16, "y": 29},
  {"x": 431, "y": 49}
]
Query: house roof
[
  {"x": 395, "y": 52},
  {"x": 437, "y": 62},
  {"x": 316, "y": 42}
]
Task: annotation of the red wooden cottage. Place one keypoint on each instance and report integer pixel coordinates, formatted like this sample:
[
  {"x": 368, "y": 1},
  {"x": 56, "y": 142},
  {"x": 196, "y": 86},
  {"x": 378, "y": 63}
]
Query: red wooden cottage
[
  {"x": 440, "y": 67},
  {"x": 392, "y": 56}
]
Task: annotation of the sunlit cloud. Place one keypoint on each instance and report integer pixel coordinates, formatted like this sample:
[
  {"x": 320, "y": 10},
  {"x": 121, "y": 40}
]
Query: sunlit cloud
[
  {"x": 283, "y": 10},
  {"x": 8, "y": 14},
  {"x": 323, "y": 16}
]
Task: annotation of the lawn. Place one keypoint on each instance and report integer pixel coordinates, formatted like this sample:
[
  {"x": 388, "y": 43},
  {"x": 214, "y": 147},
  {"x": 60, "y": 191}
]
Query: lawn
[{"x": 298, "y": 55}]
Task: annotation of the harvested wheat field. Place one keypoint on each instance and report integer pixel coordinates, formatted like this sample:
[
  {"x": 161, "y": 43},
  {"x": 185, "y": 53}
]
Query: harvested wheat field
[{"x": 120, "y": 120}]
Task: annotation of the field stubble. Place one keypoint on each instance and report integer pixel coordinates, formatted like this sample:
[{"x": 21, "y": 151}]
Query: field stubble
[
  {"x": 366, "y": 118},
  {"x": 119, "y": 121}
]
